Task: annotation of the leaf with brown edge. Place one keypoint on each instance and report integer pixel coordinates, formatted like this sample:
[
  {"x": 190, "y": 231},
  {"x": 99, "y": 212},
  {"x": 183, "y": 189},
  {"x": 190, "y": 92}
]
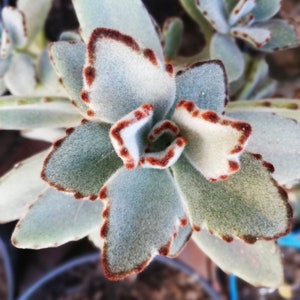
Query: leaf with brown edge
[
  {"x": 56, "y": 218},
  {"x": 20, "y": 187},
  {"x": 214, "y": 142},
  {"x": 130, "y": 17},
  {"x": 128, "y": 135},
  {"x": 81, "y": 162},
  {"x": 120, "y": 76},
  {"x": 68, "y": 61},
  {"x": 259, "y": 264},
  {"x": 277, "y": 139},
  {"x": 249, "y": 204},
  {"x": 133, "y": 236},
  {"x": 205, "y": 83}
]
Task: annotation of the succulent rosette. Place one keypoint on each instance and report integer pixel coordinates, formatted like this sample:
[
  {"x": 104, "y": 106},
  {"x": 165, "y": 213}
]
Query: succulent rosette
[
  {"x": 251, "y": 21},
  {"x": 154, "y": 160}
]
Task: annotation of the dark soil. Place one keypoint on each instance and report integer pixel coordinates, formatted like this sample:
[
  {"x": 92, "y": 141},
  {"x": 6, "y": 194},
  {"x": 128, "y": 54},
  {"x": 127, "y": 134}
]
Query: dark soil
[{"x": 86, "y": 282}]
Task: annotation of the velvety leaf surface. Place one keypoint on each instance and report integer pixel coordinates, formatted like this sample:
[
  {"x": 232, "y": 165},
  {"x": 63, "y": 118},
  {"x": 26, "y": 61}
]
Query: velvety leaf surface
[
  {"x": 120, "y": 76},
  {"x": 35, "y": 15},
  {"x": 20, "y": 187},
  {"x": 56, "y": 218},
  {"x": 264, "y": 10},
  {"x": 129, "y": 17},
  {"x": 182, "y": 237},
  {"x": 257, "y": 37},
  {"x": 133, "y": 236},
  {"x": 259, "y": 264},
  {"x": 248, "y": 205},
  {"x": 82, "y": 161},
  {"x": 6, "y": 44},
  {"x": 242, "y": 8},
  {"x": 224, "y": 48},
  {"x": 47, "y": 78},
  {"x": 4, "y": 65},
  {"x": 277, "y": 140},
  {"x": 15, "y": 115},
  {"x": 214, "y": 12},
  {"x": 214, "y": 143},
  {"x": 288, "y": 108},
  {"x": 128, "y": 135},
  {"x": 14, "y": 23},
  {"x": 283, "y": 35},
  {"x": 20, "y": 77},
  {"x": 68, "y": 61},
  {"x": 204, "y": 83}
]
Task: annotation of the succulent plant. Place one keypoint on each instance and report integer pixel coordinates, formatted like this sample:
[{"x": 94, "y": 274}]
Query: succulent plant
[
  {"x": 19, "y": 28},
  {"x": 155, "y": 159},
  {"x": 224, "y": 21}
]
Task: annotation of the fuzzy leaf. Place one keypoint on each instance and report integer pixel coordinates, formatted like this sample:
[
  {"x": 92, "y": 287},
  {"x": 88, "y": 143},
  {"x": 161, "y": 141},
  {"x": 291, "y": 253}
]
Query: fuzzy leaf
[
  {"x": 55, "y": 219},
  {"x": 15, "y": 115},
  {"x": 214, "y": 12},
  {"x": 242, "y": 8},
  {"x": 248, "y": 205},
  {"x": 256, "y": 37},
  {"x": 68, "y": 61},
  {"x": 20, "y": 77},
  {"x": 129, "y": 17},
  {"x": 224, "y": 48},
  {"x": 47, "y": 77},
  {"x": 288, "y": 108},
  {"x": 128, "y": 135},
  {"x": 259, "y": 264},
  {"x": 6, "y": 45},
  {"x": 214, "y": 143},
  {"x": 133, "y": 236},
  {"x": 82, "y": 161},
  {"x": 182, "y": 237},
  {"x": 283, "y": 35},
  {"x": 277, "y": 140},
  {"x": 264, "y": 10},
  {"x": 14, "y": 22},
  {"x": 205, "y": 83},
  {"x": 120, "y": 76},
  {"x": 35, "y": 15},
  {"x": 20, "y": 187},
  {"x": 4, "y": 65},
  {"x": 172, "y": 32}
]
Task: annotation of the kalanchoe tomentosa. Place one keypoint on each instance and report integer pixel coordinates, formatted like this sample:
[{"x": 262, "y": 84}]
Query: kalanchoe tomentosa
[
  {"x": 224, "y": 21},
  {"x": 157, "y": 150},
  {"x": 19, "y": 27}
]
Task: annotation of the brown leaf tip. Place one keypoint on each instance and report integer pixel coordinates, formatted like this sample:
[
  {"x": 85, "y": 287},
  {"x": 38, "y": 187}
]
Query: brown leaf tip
[
  {"x": 89, "y": 74},
  {"x": 103, "y": 193},
  {"x": 150, "y": 55},
  {"x": 105, "y": 33}
]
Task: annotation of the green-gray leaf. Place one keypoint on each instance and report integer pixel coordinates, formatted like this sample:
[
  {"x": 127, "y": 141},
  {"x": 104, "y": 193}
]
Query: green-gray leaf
[
  {"x": 68, "y": 60},
  {"x": 128, "y": 17},
  {"x": 204, "y": 83},
  {"x": 20, "y": 187},
  {"x": 264, "y": 10},
  {"x": 283, "y": 35},
  {"x": 17, "y": 113},
  {"x": 259, "y": 264},
  {"x": 248, "y": 205},
  {"x": 56, "y": 218},
  {"x": 277, "y": 140},
  {"x": 140, "y": 219},
  {"x": 224, "y": 48},
  {"x": 82, "y": 161}
]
